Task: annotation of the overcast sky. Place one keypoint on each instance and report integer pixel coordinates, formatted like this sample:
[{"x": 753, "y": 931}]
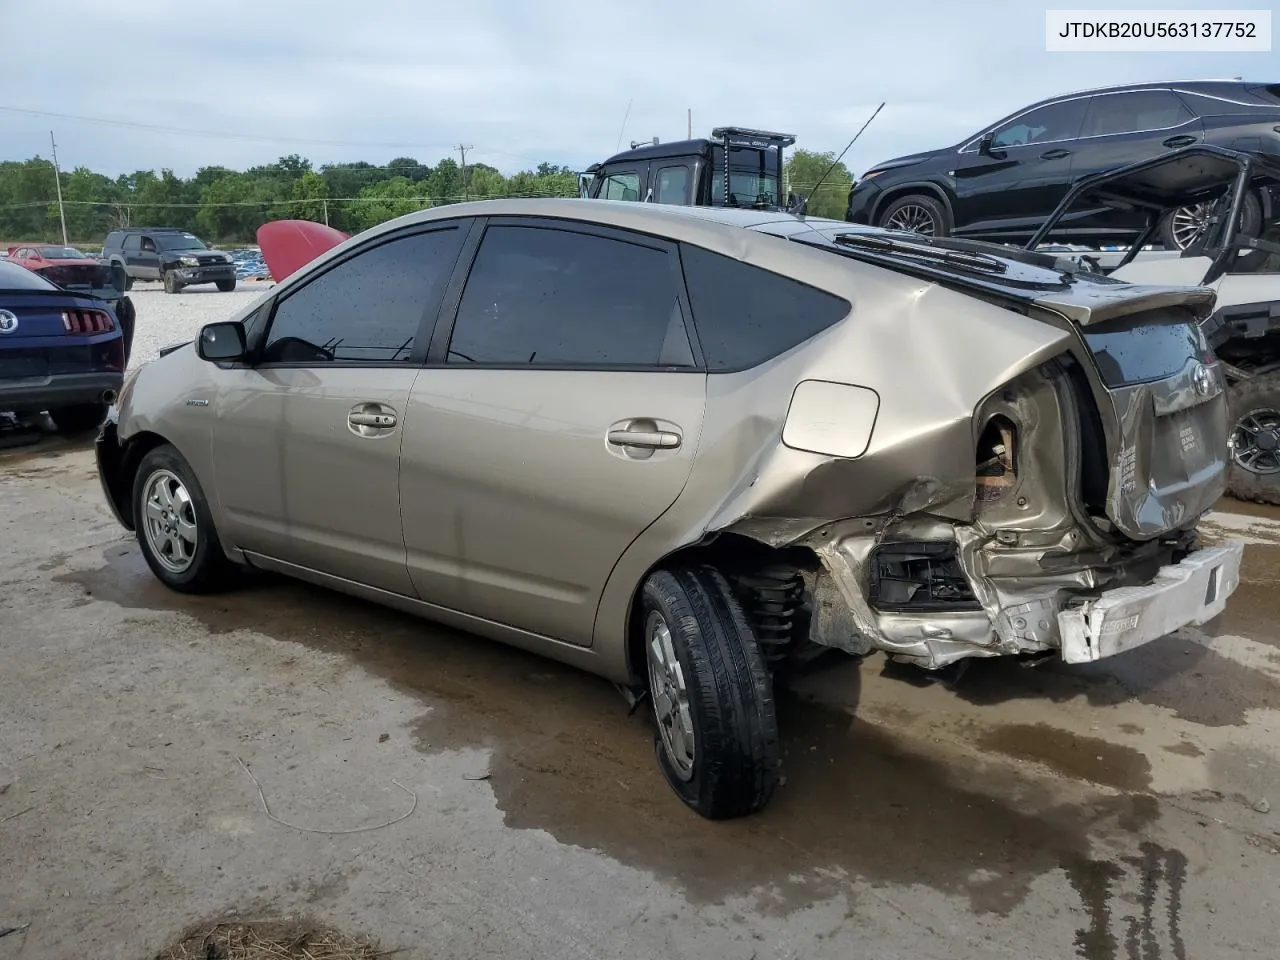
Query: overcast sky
[{"x": 521, "y": 82}]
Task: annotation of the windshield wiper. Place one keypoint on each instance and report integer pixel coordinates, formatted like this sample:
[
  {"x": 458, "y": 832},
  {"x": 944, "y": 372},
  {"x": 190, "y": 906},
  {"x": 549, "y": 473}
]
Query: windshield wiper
[{"x": 957, "y": 258}]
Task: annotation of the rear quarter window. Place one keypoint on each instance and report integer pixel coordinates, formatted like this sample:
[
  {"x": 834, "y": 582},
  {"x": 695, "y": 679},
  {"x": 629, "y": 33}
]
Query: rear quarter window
[{"x": 745, "y": 315}]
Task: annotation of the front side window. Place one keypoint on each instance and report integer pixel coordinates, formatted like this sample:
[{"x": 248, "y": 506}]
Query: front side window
[
  {"x": 1050, "y": 123},
  {"x": 368, "y": 308},
  {"x": 539, "y": 296},
  {"x": 620, "y": 186}
]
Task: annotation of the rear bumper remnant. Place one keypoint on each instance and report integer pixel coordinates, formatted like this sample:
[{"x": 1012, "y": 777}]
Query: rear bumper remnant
[{"x": 1189, "y": 593}]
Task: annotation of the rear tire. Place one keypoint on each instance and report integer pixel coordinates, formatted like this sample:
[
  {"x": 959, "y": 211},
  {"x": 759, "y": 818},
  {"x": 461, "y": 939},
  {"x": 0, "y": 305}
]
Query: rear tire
[
  {"x": 1255, "y": 435},
  {"x": 916, "y": 213},
  {"x": 79, "y": 417},
  {"x": 1177, "y": 229},
  {"x": 174, "y": 526},
  {"x": 171, "y": 284},
  {"x": 226, "y": 286},
  {"x": 717, "y": 738}
]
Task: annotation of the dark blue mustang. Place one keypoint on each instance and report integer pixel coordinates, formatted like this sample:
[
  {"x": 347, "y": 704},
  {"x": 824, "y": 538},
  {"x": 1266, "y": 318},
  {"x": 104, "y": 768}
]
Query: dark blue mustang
[{"x": 60, "y": 351}]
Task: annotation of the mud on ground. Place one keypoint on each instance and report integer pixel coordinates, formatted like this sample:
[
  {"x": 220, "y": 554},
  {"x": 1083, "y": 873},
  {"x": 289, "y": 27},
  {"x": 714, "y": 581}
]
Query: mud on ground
[{"x": 455, "y": 798}]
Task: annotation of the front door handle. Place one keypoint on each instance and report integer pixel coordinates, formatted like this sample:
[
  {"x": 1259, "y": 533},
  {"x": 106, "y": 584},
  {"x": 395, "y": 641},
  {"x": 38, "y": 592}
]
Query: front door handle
[
  {"x": 1055, "y": 154},
  {"x": 372, "y": 419},
  {"x": 649, "y": 440},
  {"x": 1179, "y": 141}
]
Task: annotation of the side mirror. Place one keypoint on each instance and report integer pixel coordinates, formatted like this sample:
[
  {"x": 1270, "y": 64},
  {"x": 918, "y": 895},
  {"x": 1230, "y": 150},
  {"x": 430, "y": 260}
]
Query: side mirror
[
  {"x": 221, "y": 342},
  {"x": 985, "y": 144}
]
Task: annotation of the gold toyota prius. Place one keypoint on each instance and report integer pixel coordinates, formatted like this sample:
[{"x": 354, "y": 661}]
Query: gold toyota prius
[{"x": 680, "y": 447}]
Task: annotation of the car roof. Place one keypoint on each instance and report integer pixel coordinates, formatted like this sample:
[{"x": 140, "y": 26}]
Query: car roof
[
  {"x": 1211, "y": 87},
  {"x": 670, "y": 220}
]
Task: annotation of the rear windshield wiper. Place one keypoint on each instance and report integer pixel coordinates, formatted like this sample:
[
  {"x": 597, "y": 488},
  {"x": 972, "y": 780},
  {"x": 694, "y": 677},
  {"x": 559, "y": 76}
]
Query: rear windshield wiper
[{"x": 957, "y": 258}]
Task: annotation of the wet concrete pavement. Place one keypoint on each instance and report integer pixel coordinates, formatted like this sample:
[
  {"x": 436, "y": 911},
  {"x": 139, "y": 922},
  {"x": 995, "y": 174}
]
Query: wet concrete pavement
[{"x": 1114, "y": 812}]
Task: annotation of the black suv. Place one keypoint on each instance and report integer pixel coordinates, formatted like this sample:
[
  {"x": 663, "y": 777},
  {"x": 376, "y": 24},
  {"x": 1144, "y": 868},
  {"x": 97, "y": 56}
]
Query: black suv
[
  {"x": 178, "y": 258},
  {"x": 1005, "y": 180}
]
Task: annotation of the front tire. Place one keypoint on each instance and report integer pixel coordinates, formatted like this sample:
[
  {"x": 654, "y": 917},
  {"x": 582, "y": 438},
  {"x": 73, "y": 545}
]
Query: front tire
[
  {"x": 226, "y": 286},
  {"x": 1255, "y": 440},
  {"x": 717, "y": 737},
  {"x": 78, "y": 418},
  {"x": 174, "y": 526},
  {"x": 916, "y": 213},
  {"x": 171, "y": 284}
]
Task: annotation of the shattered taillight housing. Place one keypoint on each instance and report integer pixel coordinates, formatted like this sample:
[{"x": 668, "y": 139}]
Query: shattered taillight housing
[
  {"x": 87, "y": 322},
  {"x": 919, "y": 576}
]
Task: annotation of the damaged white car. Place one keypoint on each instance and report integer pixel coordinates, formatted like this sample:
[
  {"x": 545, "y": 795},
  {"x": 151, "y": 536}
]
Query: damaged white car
[{"x": 679, "y": 446}]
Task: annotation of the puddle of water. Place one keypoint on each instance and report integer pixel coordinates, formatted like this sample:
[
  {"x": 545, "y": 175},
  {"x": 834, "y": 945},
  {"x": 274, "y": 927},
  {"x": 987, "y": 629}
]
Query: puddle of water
[
  {"x": 1078, "y": 757},
  {"x": 566, "y": 759}
]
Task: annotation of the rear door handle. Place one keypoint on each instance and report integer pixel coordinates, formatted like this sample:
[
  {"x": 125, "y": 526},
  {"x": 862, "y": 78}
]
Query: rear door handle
[
  {"x": 1181, "y": 140},
  {"x": 357, "y": 419},
  {"x": 1055, "y": 154},
  {"x": 655, "y": 440}
]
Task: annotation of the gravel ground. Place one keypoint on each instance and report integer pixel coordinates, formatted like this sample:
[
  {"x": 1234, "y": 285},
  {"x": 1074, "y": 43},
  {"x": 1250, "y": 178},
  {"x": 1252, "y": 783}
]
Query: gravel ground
[
  {"x": 164, "y": 319},
  {"x": 458, "y": 799}
]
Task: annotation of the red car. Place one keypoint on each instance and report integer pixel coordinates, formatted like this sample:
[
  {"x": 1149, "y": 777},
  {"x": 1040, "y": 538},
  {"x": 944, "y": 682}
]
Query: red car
[{"x": 80, "y": 273}]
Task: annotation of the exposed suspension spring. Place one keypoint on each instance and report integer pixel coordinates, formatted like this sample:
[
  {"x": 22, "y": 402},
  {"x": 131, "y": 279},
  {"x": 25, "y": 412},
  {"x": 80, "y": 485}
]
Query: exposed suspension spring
[{"x": 772, "y": 598}]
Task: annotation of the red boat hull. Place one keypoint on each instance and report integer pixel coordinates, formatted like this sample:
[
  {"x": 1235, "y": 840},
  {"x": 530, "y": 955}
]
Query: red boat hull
[{"x": 288, "y": 245}]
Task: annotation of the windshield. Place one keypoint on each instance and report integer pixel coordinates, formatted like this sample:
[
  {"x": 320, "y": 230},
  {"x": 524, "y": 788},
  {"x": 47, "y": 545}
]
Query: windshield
[
  {"x": 179, "y": 241},
  {"x": 61, "y": 253},
  {"x": 14, "y": 277}
]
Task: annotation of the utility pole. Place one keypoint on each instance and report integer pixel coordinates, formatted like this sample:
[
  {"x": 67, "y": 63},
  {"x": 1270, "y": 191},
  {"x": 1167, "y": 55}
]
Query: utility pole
[
  {"x": 689, "y": 117},
  {"x": 326, "y": 212},
  {"x": 466, "y": 189},
  {"x": 57, "y": 180}
]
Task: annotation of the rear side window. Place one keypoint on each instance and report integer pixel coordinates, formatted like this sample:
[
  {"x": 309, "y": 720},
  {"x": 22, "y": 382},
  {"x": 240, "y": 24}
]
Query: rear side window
[
  {"x": 539, "y": 296},
  {"x": 1134, "y": 113},
  {"x": 1144, "y": 348},
  {"x": 745, "y": 315}
]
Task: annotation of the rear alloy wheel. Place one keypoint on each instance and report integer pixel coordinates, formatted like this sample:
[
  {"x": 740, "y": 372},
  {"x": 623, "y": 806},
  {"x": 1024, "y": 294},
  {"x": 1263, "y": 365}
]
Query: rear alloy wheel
[
  {"x": 916, "y": 213},
  {"x": 174, "y": 527},
  {"x": 717, "y": 732},
  {"x": 1185, "y": 226},
  {"x": 79, "y": 417},
  {"x": 171, "y": 284},
  {"x": 1255, "y": 440}
]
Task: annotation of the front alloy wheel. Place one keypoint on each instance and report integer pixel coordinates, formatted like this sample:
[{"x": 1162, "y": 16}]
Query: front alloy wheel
[
  {"x": 174, "y": 527},
  {"x": 169, "y": 521}
]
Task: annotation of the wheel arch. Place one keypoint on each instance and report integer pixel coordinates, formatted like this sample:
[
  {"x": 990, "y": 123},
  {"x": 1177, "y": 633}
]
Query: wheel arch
[
  {"x": 920, "y": 186},
  {"x": 722, "y": 550},
  {"x": 132, "y": 451}
]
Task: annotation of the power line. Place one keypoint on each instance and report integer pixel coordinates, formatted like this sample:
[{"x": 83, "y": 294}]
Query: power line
[{"x": 246, "y": 137}]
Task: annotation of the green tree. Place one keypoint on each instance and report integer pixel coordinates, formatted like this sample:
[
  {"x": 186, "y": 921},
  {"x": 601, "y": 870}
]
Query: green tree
[{"x": 804, "y": 169}]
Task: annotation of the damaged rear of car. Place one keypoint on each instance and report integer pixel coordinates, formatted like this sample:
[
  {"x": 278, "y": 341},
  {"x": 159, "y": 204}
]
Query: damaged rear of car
[{"x": 1052, "y": 512}]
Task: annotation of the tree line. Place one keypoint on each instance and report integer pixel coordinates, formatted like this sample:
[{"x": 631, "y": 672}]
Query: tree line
[{"x": 228, "y": 206}]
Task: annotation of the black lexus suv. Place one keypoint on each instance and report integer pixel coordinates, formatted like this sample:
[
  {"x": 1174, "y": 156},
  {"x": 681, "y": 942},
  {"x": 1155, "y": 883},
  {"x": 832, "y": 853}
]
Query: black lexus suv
[
  {"x": 1004, "y": 181},
  {"x": 174, "y": 256}
]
